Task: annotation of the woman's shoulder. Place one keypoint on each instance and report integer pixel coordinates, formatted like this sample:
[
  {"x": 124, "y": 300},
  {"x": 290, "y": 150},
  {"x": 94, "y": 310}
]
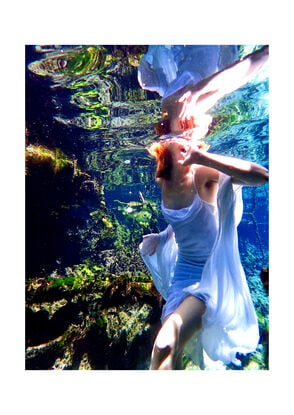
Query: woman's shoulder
[{"x": 204, "y": 175}]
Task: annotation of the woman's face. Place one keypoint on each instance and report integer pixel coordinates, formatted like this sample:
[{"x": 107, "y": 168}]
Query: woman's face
[{"x": 178, "y": 149}]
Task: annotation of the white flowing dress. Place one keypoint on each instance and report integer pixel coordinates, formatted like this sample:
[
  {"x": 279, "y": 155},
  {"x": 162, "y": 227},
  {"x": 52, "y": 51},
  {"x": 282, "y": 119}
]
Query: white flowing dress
[
  {"x": 212, "y": 273},
  {"x": 167, "y": 68}
]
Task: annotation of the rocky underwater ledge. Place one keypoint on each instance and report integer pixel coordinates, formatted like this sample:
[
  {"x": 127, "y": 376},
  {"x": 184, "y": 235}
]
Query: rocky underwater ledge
[
  {"x": 102, "y": 312},
  {"x": 91, "y": 320}
]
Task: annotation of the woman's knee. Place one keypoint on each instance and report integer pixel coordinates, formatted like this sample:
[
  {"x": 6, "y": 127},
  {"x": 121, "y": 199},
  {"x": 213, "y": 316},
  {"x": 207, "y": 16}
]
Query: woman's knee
[
  {"x": 175, "y": 332},
  {"x": 167, "y": 341},
  {"x": 169, "y": 331}
]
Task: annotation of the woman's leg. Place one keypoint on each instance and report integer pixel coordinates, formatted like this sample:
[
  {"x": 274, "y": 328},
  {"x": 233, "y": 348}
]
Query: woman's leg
[{"x": 176, "y": 330}]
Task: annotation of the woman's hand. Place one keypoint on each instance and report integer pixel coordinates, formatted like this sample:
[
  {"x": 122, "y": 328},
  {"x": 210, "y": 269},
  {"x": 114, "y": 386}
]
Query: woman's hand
[
  {"x": 149, "y": 244},
  {"x": 194, "y": 155}
]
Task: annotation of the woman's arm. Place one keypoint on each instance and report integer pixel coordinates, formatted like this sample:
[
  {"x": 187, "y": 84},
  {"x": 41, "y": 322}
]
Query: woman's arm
[
  {"x": 242, "y": 172},
  {"x": 187, "y": 108},
  {"x": 194, "y": 100}
]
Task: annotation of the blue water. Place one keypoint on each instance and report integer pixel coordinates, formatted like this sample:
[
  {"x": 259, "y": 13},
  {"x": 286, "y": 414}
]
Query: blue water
[{"x": 104, "y": 120}]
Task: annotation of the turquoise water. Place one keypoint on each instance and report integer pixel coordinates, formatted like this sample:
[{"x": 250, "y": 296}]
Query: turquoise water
[{"x": 86, "y": 102}]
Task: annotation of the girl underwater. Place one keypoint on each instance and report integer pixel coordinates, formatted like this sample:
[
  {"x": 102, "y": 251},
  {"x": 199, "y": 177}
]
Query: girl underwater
[{"x": 195, "y": 262}]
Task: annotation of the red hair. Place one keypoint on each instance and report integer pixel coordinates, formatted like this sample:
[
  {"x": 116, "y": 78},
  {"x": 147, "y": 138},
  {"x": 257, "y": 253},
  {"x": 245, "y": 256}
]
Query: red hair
[{"x": 163, "y": 159}]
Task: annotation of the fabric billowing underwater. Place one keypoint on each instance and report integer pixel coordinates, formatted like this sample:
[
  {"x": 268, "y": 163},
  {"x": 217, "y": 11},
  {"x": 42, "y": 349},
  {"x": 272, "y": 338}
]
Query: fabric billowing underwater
[
  {"x": 168, "y": 68},
  {"x": 229, "y": 325}
]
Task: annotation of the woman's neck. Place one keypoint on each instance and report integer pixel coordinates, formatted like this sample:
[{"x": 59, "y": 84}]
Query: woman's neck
[
  {"x": 180, "y": 190},
  {"x": 181, "y": 179},
  {"x": 180, "y": 173}
]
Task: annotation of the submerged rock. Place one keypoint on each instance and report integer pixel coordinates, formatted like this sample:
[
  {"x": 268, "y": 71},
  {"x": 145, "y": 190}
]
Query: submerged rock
[{"x": 109, "y": 324}]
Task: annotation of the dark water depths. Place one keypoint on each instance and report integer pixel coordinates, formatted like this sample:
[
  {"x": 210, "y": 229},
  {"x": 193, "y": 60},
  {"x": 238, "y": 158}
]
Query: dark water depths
[{"x": 87, "y": 102}]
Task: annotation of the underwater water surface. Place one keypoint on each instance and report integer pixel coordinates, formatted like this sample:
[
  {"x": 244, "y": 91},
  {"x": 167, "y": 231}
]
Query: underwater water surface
[{"x": 90, "y": 192}]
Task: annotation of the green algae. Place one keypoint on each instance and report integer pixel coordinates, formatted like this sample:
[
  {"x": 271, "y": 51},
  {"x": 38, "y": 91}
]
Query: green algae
[
  {"x": 79, "y": 277},
  {"x": 89, "y": 275},
  {"x": 141, "y": 213},
  {"x": 56, "y": 158},
  {"x": 81, "y": 60},
  {"x": 127, "y": 323},
  {"x": 76, "y": 61},
  {"x": 89, "y": 100},
  {"x": 234, "y": 113}
]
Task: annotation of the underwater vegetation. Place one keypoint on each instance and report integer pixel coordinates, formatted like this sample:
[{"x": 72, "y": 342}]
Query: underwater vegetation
[
  {"x": 94, "y": 75},
  {"x": 81, "y": 60},
  {"x": 101, "y": 117},
  {"x": 234, "y": 112},
  {"x": 39, "y": 154},
  {"x": 90, "y": 195},
  {"x": 76, "y": 61},
  {"x": 100, "y": 314},
  {"x": 92, "y": 319},
  {"x": 59, "y": 197},
  {"x": 144, "y": 213},
  {"x": 89, "y": 319}
]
